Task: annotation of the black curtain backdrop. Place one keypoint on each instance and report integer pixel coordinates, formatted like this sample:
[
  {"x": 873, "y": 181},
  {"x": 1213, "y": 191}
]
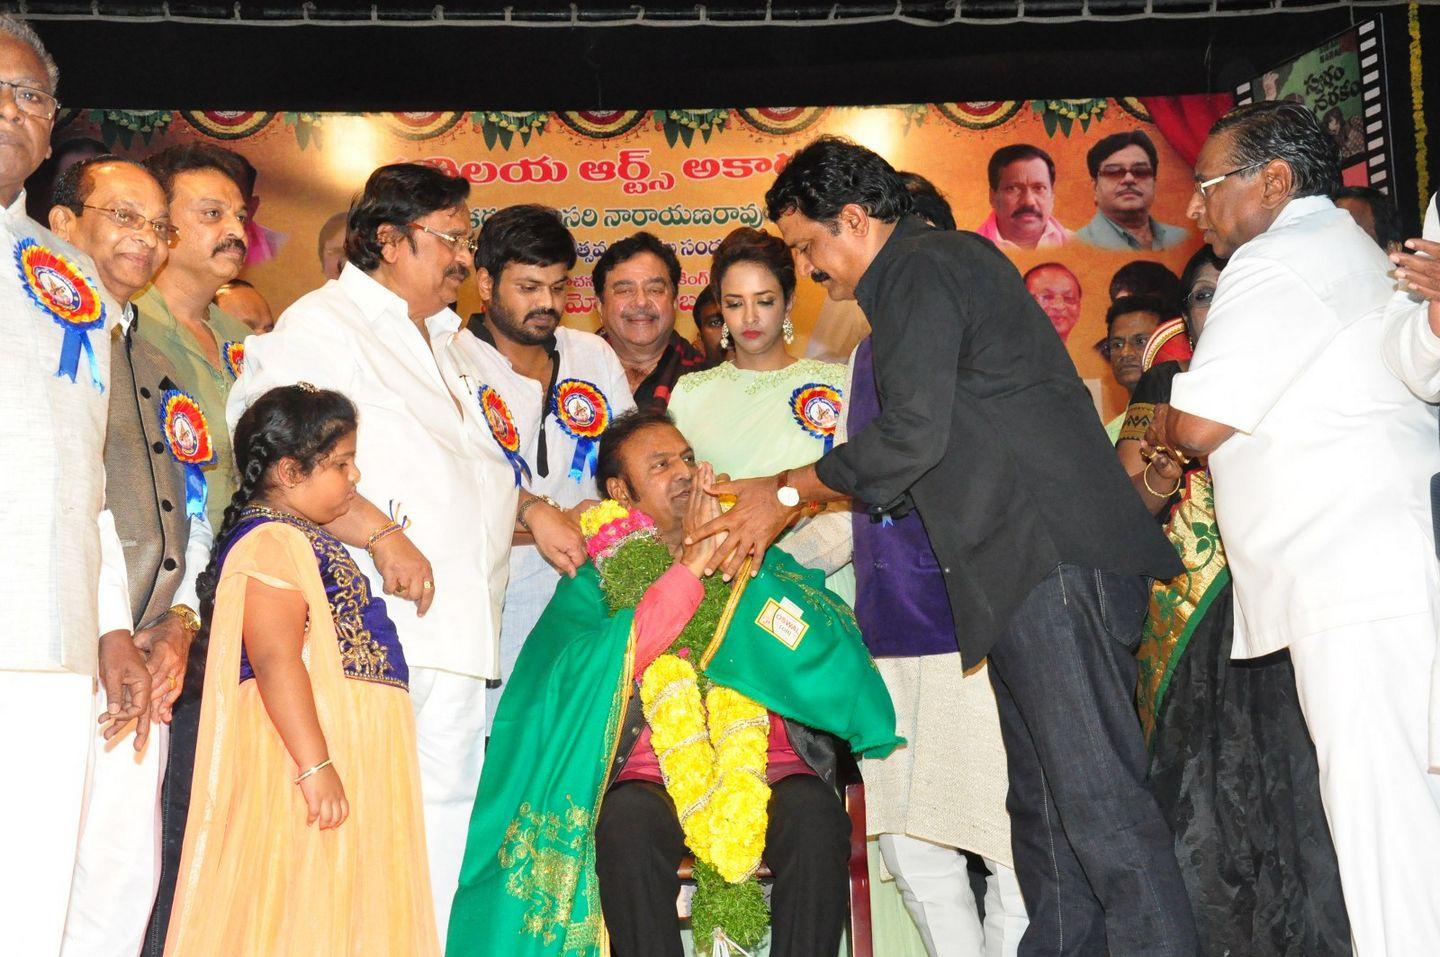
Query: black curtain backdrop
[{"x": 183, "y": 66}]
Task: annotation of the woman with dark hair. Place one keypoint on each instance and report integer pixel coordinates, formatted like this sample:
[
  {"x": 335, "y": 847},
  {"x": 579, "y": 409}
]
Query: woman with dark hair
[
  {"x": 764, "y": 410},
  {"x": 305, "y": 833},
  {"x": 1231, "y": 762}
]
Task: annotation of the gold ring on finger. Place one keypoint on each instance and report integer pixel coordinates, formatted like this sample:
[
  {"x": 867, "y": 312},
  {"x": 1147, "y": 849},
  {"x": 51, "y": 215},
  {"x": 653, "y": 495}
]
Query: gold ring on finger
[
  {"x": 427, "y": 585},
  {"x": 173, "y": 683}
]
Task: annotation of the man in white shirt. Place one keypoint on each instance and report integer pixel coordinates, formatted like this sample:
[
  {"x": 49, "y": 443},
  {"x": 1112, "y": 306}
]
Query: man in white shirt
[
  {"x": 55, "y": 321},
  {"x": 383, "y": 335},
  {"x": 1322, "y": 461},
  {"x": 115, "y": 212},
  {"x": 555, "y": 389}
]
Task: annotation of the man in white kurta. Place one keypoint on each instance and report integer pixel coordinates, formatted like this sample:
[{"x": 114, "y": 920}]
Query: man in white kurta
[
  {"x": 524, "y": 354},
  {"x": 1322, "y": 461},
  {"x": 61, "y": 555},
  {"x": 1412, "y": 351},
  {"x": 426, "y": 454}
]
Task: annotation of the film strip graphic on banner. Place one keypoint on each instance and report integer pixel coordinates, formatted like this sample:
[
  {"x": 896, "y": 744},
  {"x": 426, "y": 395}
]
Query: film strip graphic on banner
[{"x": 1343, "y": 82}]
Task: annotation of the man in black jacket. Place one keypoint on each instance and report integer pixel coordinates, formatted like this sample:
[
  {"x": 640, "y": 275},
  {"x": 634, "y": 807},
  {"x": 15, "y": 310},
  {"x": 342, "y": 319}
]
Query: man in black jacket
[{"x": 988, "y": 433}]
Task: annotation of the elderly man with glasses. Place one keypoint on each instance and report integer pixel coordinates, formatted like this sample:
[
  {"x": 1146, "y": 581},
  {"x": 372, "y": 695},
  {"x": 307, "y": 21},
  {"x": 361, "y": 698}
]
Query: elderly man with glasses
[
  {"x": 62, "y": 573},
  {"x": 1322, "y": 462},
  {"x": 115, "y": 212},
  {"x": 1123, "y": 166},
  {"x": 438, "y": 503}
]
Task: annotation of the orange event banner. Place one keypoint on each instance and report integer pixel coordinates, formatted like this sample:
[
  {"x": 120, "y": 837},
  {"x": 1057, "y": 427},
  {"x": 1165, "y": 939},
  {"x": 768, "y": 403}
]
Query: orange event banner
[{"x": 689, "y": 176}]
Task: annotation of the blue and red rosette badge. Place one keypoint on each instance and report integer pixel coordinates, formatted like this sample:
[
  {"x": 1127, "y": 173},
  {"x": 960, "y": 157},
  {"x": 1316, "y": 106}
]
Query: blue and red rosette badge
[
  {"x": 817, "y": 408},
  {"x": 584, "y": 414},
  {"x": 61, "y": 290},
  {"x": 188, "y": 437},
  {"x": 502, "y": 426},
  {"x": 234, "y": 355}
]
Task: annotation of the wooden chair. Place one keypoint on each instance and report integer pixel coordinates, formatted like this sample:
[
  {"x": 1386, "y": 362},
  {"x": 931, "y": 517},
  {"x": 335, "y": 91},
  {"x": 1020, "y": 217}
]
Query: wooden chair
[{"x": 858, "y": 928}]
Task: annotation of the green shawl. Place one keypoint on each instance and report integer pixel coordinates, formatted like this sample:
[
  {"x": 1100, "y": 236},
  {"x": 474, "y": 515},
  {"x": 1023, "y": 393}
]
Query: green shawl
[{"x": 528, "y": 886}]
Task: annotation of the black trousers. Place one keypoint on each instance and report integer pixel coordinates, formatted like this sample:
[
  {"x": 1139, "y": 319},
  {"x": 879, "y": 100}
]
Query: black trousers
[
  {"x": 1093, "y": 854},
  {"x": 175, "y": 796},
  {"x": 639, "y": 845}
]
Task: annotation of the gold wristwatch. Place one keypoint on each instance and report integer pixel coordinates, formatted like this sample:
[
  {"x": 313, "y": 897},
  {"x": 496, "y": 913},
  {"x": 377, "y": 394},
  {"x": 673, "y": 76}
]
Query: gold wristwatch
[
  {"x": 187, "y": 617},
  {"x": 531, "y": 503}
]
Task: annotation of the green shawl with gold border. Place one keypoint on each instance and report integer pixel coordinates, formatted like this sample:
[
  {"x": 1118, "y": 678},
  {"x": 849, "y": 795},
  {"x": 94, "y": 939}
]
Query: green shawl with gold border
[{"x": 528, "y": 886}]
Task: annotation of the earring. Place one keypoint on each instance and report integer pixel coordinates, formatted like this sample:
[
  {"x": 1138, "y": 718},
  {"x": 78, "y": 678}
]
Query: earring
[
  {"x": 724, "y": 338},
  {"x": 788, "y": 328}
]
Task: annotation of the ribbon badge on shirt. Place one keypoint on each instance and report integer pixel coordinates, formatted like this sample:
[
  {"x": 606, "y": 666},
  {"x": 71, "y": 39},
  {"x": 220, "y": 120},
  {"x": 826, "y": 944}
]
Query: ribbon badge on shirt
[
  {"x": 188, "y": 437},
  {"x": 61, "y": 290},
  {"x": 584, "y": 414},
  {"x": 816, "y": 407},
  {"x": 234, "y": 354},
  {"x": 502, "y": 426}
]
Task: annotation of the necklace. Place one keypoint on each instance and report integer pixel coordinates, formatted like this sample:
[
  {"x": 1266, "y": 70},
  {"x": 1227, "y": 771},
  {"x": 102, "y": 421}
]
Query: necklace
[{"x": 278, "y": 513}]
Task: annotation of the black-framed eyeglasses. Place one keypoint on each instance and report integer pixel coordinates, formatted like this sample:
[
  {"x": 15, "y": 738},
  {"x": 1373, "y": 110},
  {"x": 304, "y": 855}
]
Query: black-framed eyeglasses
[
  {"x": 1204, "y": 186},
  {"x": 32, "y": 100},
  {"x": 457, "y": 243},
  {"x": 163, "y": 229}
]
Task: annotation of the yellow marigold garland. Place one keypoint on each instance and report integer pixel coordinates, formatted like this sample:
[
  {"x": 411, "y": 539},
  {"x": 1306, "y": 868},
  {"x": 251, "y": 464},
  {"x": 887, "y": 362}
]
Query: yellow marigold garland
[
  {"x": 1417, "y": 106},
  {"x": 712, "y": 742}
]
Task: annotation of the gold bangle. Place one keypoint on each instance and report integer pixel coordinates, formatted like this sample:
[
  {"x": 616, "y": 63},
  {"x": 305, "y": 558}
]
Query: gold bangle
[
  {"x": 1145, "y": 478},
  {"x": 380, "y": 534},
  {"x": 315, "y": 770}
]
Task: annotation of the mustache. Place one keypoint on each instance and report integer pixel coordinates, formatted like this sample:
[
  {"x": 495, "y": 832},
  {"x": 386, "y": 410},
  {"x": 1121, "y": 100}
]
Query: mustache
[
  {"x": 233, "y": 242},
  {"x": 457, "y": 272},
  {"x": 550, "y": 314},
  {"x": 1026, "y": 211},
  {"x": 639, "y": 312},
  {"x": 818, "y": 275}
]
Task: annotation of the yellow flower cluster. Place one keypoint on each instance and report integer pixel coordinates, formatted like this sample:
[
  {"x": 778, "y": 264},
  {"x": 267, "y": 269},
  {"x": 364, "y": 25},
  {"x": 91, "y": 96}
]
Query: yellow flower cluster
[
  {"x": 597, "y": 517},
  {"x": 712, "y": 757},
  {"x": 740, "y": 737}
]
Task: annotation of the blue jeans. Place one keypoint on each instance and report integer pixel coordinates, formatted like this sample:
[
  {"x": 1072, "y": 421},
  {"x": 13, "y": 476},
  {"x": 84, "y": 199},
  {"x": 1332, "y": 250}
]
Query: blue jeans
[{"x": 1094, "y": 857}]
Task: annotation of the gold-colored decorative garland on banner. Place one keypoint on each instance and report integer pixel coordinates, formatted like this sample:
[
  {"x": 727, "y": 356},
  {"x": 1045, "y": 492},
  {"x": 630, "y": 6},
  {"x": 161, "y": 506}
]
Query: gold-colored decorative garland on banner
[{"x": 1417, "y": 106}]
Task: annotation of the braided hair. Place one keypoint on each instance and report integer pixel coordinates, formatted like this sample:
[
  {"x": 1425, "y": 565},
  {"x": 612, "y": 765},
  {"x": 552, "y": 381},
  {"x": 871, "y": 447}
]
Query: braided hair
[{"x": 298, "y": 422}]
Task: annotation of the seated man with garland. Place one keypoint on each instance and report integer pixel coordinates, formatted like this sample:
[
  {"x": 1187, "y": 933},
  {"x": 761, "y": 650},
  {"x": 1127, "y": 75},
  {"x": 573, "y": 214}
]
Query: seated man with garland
[{"x": 655, "y": 713}]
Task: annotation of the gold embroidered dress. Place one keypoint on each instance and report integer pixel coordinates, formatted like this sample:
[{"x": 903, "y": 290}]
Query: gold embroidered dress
[{"x": 255, "y": 879}]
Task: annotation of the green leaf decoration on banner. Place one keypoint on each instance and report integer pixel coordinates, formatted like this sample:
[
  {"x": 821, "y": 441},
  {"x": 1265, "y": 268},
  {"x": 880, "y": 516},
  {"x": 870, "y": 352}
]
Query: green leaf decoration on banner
[
  {"x": 1063, "y": 114},
  {"x": 502, "y": 126},
  {"x": 123, "y": 125},
  {"x": 682, "y": 125},
  {"x": 306, "y": 127}
]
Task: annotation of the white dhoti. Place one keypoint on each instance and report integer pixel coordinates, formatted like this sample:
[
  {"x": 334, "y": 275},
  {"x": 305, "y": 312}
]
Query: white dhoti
[
  {"x": 50, "y": 720},
  {"x": 450, "y": 738},
  {"x": 945, "y": 790},
  {"x": 117, "y": 867},
  {"x": 1365, "y": 693}
]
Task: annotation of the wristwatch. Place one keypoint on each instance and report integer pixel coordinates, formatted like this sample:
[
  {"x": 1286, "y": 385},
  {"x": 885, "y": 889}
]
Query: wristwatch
[
  {"x": 187, "y": 616},
  {"x": 788, "y": 494},
  {"x": 531, "y": 503}
]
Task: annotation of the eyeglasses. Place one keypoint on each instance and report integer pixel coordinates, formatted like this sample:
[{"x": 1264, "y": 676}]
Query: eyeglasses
[
  {"x": 37, "y": 103},
  {"x": 1206, "y": 185},
  {"x": 1200, "y": 296},
  {"x": 1115, "y": 345},
  {"x": 1117, "y": 172},
  {"x": 133, "y": 221},
  {"x": 1057, "y": 299},
  {"x": 456, "y": 243}
]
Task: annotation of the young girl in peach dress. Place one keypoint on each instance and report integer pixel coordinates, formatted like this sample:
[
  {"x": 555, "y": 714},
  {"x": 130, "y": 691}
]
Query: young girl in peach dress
[{"x": 305, "y": 833}]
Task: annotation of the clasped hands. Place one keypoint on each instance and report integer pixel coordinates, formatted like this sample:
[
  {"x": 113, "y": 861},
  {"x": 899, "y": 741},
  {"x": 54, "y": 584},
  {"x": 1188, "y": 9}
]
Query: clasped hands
[
  {"x": 1418, "y": 272},
  {"x": 1161, "y": 455},
  {"x": 143, "y": 675}
]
